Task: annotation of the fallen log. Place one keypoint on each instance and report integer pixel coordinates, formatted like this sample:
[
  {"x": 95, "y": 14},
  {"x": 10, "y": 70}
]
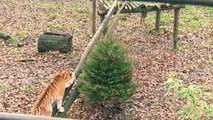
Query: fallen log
[
  {"x": 54, "y": 42},
  {"x": 4, "y": 36}
]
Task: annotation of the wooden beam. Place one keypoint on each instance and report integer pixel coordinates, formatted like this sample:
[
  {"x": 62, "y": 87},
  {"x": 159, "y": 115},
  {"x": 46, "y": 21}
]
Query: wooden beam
[
  {"x": 103, "y": 11},
  {"x": 138, "y": 10},
  {"x": 115, "y": 20},
  {"x": 88, "y": 49},
  {"x": 175, "y": 31},
  {"x": 93, "y": 17},
  {"x": 95, "y": 38},
  {"x": 157, "y": 20},
  {"x": 190, "y": 2}
]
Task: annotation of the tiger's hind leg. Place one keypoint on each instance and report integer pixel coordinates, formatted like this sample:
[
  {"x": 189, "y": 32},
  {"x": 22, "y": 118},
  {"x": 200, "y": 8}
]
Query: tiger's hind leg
[{"x": 47, "y": 111}]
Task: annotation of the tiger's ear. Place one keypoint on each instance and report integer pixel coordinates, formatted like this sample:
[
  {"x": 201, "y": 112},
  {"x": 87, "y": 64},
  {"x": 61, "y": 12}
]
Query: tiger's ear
[
  {"x": 57, "y": 76},
  {"x": 65, "y": 72}
]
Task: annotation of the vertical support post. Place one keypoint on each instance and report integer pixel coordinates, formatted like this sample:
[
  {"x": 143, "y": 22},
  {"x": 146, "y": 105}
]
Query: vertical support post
[
  {"x": 102, "y": 17},
  {"x": 175, "y": 31},
  {"x": 157, "y": 22},
  {"x": 143, "y": 14},
  {"x": 93, "y": 17}
]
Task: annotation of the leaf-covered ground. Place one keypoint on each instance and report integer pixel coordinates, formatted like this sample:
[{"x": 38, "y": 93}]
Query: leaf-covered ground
[{"x": 154, "y": 58}]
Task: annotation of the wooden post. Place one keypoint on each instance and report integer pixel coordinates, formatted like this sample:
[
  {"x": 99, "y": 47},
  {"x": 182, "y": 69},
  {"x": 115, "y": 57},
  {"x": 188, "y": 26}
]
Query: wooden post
[
  {"x": 143, "y": 14},
  {"x": 93, "y": 16},
  {"x": 175, "y": 31},
  {"x": 102, "y": 17},
  {"x": 157, "y": 22},
  {"x": 89, "y": 47}
]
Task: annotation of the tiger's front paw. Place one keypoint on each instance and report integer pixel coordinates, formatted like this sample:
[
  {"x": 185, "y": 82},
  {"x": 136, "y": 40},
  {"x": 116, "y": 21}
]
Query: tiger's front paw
[{"x": 61, "y": 109}]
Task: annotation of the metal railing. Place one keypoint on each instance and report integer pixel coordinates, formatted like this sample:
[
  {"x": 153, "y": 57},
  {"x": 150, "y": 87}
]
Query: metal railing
[{"x": 13, "y": 116}]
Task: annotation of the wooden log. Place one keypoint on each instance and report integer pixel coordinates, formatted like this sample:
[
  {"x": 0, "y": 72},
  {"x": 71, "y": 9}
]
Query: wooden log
[
  {"x": 4, "y": 36},
  {"x": 93, "y": 16},
  {"x": 55, "y": 42},
  {"x": 157, "y": 21},
  {"x": 175, "y": 31},
  {"x": 140, "y": 9}
]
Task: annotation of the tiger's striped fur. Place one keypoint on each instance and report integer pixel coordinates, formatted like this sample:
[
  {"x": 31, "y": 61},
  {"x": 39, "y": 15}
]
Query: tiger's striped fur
[{"x": 53, "y": 93}]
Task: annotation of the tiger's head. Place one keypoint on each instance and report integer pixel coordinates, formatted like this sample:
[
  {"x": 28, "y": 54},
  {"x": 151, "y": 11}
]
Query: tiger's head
[{"x": 65, "y": 77}]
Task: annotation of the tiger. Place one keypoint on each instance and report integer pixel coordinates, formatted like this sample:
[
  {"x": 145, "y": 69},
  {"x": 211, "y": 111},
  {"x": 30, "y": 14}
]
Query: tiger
[{"x": 53, "y": 93}]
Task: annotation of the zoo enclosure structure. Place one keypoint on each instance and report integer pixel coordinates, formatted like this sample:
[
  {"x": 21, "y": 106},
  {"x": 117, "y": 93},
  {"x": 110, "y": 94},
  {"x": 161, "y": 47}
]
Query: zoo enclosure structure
[
  {"x": 139, "y": 7},
  {"x": 98, "y": 33},
  {"x": 101, "y": 32}
]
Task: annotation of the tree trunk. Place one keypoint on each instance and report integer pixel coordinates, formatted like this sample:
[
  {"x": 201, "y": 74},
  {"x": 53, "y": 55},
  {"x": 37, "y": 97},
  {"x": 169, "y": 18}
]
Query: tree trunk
[
  {"x": 97, "y": 35},
  {"x": 89, "y": 47},
  {"x": 54, "y": 42}
]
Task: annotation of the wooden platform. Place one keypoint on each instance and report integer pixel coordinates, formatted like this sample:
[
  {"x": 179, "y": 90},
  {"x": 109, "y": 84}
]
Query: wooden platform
[
  {"x": 135, "y": 6},
  {"x": 139, "y": 7}
]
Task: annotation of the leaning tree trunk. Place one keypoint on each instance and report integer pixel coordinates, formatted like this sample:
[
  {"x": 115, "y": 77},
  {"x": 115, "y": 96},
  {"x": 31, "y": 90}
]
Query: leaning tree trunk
[
  {"x": 77, "y": 71},
  {"x": 54, "y": 42}
]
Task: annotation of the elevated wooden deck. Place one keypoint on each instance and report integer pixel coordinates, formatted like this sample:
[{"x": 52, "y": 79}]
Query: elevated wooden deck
[
  {"x": 135, "y": 6},
  {"x": 139, "y": 7}
]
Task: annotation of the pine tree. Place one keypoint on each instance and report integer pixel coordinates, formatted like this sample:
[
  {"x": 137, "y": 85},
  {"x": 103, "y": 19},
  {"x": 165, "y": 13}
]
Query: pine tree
[{"x": 107, "y": 73}]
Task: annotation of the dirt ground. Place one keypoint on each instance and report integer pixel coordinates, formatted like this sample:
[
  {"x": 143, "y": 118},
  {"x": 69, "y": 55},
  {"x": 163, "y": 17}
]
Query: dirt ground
[{"x": 154, "y": 58}]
